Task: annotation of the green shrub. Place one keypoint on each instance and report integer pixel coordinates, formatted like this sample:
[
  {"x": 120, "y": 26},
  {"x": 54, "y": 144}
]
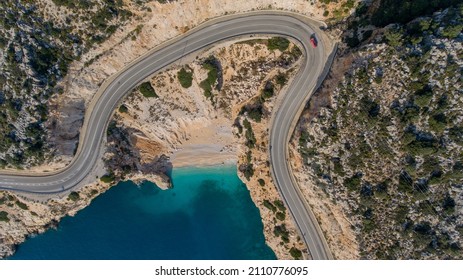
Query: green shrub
[
  {"x": 430, "y": 164},
  {"x": 393, "y": 37},
  {"x": 456, "y": 134},
  {"x": 370, "y": 107},
  {"x": 249, "y": 134},
  {"x": 423, "y": 100},
  {"x": 352, "y": 183},
  {"x": 261, "y": 182},
  {"x": 421, "y": 148},
  {"x": 211, "y": 64},
  {"x": 411, "y": 114},
  {"x": 438, "y": 122},
  {"x": 254, "y": 110},
  {"x": 185, "y": 77},
  {"x": 401, "y": 214},
  {"x": 423, "y": 95},
  {"x": 405, "y": 183},
  {"x": 81, "y": 4},
  {"x": 278, "y": 43},
  {"x": 280, "y": 216},
  {"x": 368, "y": 225},
  {"x": 281, "y": 79},
  {"x": 74, "y": 196},
  {"x": 281, "y": 231},
  {"x": 4, "y": 216},
  {"x": 147, "y": 90},
  {"x": 338, "y": 169},
  {"x": 270, "y": 206},
  {"x": 248, "y": 171},
  {"x": 452, "y": 31},
  {"x": 268, "y": 90},
  {"x": 123, "y": 109},
  {"x": 108, "y": 178},
  {"x": 296, "y": 52},
  {"x": 21, "y": 205},
  {"x": 408, "y": 137},
  {"x": 280, "y": 205},
  {"x": 295, "y": 253}
]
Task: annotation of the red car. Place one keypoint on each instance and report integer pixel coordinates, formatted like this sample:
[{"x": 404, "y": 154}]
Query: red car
[{"x": 313, "y": 41}]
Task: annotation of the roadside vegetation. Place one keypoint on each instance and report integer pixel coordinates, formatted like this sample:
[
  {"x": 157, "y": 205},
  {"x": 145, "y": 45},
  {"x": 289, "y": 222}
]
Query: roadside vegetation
[
  {"x": 22, "y": 205},
  {"x": 185, "y": 77},
  {"x": 278, "y": 43},
  {"x": 123, "y": 109},
  {"x": 295, "y": 253},
  {"x": 74, "y": 196},
  {"x": 338, "y": 12},
  {"x": 108, "y": 178},
  {"x": 212, "y": 65},
  {"x": 147, "y": 90}
]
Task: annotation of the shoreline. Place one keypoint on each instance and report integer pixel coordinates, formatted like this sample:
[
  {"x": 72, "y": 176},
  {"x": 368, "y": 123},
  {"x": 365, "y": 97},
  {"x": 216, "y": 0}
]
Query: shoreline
[
  {"x": 189, "y": 196},
  {"x": 202, "y": 156}
]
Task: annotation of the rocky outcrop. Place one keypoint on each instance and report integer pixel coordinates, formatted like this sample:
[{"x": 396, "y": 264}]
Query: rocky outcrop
[
  {"x": 161, "y": 180},
  {"x": 21, "y": 217}
]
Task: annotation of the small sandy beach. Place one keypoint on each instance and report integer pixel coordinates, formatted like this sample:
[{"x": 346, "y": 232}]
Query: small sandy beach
[{"x": 212, "y": 144}]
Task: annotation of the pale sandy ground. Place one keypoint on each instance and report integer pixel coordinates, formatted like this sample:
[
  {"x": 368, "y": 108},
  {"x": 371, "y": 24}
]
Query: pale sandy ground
[
  {"x": 205, "y": 146},
  {"x": 202, "y": 155}
]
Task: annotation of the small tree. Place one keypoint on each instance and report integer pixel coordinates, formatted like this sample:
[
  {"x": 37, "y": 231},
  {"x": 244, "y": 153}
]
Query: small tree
[{"x": 393, "y": 37}]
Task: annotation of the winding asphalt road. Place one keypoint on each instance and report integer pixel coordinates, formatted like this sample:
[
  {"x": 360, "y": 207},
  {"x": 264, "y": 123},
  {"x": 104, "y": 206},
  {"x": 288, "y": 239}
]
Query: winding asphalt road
[{"x": 208, "y": 34}]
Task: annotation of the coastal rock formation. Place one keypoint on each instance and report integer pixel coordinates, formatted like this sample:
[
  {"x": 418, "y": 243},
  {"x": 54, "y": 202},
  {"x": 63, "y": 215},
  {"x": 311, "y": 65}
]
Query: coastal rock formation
[
  {"x": 161, "y": 180},
  {"x": 21, "y": 217}
]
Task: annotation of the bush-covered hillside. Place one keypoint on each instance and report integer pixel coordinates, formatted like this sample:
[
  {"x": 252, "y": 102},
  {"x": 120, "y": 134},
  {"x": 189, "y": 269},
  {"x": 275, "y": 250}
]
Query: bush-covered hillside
[
  {"x": 389, "y": 148},
  {"x": 37, "y": 44}
]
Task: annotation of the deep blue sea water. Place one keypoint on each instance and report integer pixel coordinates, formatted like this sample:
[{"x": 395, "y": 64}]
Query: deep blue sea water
[{"x": 208, "y": 214}]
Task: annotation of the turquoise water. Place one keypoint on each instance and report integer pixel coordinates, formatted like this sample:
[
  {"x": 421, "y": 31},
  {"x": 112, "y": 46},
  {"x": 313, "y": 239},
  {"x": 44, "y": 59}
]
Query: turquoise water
[{"x": 207, "y": 215}]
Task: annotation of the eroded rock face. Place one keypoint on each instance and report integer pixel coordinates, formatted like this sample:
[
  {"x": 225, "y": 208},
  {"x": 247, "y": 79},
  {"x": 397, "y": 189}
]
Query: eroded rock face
[
  {"x": 161, "y": 180},
  {"x": 64, "y": 127},
  {"x": 21, "y": 217}
]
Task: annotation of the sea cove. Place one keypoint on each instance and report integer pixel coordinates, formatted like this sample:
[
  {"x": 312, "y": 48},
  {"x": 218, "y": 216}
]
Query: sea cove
[{"x": 207, "y": 215}]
